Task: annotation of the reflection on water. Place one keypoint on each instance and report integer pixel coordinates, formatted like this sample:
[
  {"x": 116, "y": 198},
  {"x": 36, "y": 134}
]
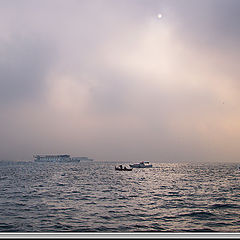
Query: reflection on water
[{"x": 93, "y": 197}]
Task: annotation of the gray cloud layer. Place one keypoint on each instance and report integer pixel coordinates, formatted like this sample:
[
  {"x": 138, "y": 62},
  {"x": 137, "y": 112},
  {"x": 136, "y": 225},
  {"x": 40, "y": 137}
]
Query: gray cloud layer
[
  {"x": 110, "y": 80},
  {"x": 24, "y": 63}
]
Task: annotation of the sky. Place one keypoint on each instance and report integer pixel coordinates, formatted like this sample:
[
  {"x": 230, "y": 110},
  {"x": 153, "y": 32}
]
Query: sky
[{"x": 113, "y": 81}]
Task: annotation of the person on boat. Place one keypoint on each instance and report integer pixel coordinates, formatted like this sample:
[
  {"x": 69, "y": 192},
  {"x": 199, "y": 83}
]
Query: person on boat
[
  {"x": 125, "y": 168},
  {"x": 121, "y": 167}
]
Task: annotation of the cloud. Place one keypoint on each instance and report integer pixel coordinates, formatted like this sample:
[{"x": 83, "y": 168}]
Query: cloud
[
  {"x": 110, "y": 80},
  {"x": 207, "y": 24},
  {"x": 23, "y": 67}
]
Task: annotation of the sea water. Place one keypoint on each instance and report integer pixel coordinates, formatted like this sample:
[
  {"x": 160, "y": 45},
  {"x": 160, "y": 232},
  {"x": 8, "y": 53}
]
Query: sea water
[{"x": 93, "y": 197}]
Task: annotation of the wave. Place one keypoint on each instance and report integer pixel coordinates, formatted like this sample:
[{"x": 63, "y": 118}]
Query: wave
[
  {"x": 225, "y": 205},
  {"x": 198, "y": 214}
]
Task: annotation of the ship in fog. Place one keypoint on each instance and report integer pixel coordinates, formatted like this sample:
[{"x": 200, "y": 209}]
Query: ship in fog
[{"x": 60, "y": 158}]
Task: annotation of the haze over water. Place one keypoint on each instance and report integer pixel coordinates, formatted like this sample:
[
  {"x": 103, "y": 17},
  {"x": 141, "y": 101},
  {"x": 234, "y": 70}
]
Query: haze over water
[
  {"x": 124, "y": 81},
  {"x": 133, "y": 79},
  {"x": 93, "y": 197}
]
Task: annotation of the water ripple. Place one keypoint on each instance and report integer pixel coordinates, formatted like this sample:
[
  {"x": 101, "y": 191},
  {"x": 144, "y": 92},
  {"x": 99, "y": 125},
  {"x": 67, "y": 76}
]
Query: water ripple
[{"x": 92, "y": 197}]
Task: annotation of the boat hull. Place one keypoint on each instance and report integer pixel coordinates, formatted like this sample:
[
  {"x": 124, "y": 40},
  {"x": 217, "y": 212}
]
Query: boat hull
[
  {"x": 128, "y": 169},
  {"x": 139, "y": 166}
]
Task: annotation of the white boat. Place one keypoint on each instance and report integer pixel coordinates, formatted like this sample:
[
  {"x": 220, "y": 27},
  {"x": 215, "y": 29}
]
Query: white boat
[{"x": 144, "y": 164}]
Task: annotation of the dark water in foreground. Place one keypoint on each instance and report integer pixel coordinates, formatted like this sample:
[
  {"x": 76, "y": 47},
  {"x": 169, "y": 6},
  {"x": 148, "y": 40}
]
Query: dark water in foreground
[{"x": 93, "y": 197}]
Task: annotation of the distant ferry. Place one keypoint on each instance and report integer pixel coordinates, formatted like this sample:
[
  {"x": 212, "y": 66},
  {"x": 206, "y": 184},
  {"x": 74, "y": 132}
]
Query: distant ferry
[{"x": 59, "y": 158}]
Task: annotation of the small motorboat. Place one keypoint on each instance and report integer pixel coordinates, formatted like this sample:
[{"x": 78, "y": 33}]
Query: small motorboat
[
  {"x": 144, "y": 164},
  {"x": 121, "y": 168}
]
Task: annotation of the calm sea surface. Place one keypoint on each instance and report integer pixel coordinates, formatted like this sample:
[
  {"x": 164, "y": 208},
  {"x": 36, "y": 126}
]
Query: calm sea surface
[{"x": 93, "y": 197}]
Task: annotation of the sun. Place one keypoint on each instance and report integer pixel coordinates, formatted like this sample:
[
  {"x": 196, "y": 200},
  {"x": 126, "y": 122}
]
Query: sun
[{"x": 159, "y": 16}]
